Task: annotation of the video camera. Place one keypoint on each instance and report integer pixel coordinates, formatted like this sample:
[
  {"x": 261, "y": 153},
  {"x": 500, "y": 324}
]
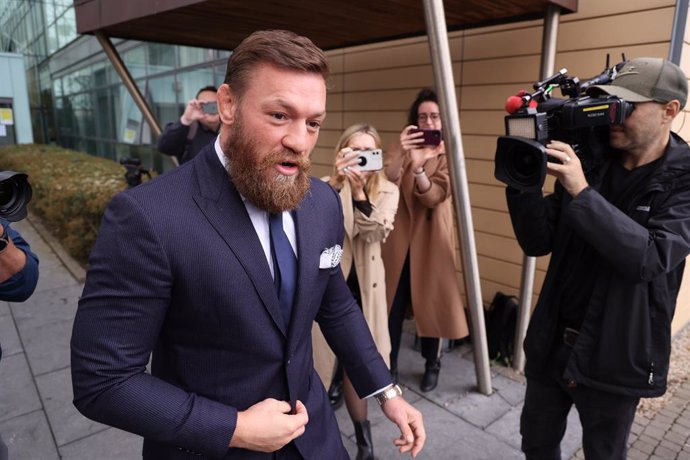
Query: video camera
[
  {"x": 15, "y": 194},
  {"x": 535, "y": 119},
  {"x": 134, "y": 171}
]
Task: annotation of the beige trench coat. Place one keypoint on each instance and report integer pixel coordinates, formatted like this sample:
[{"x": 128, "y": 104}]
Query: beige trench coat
[
  {"x": 362, "y": 244},
  {"x": 424, "y": 225}
]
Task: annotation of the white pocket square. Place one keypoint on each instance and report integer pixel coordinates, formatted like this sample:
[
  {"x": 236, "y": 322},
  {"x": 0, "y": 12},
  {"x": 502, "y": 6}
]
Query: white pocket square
[{"x": 330, "y": 257}]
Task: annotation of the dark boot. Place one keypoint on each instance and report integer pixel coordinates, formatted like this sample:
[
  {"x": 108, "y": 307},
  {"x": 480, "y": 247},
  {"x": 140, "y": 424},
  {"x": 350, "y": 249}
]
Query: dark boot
[
  {"x": 365, "y": 447},
  {"x": 335, "y": 391},
  {"x": 430, "y": 379}
]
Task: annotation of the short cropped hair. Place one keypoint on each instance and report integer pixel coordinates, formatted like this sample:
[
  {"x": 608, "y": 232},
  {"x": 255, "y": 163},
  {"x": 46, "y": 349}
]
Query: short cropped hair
[
  {"x": 281, "y": 48},
  {"x": 425, "y": 95},
  {"x": 210, "y": 88}
]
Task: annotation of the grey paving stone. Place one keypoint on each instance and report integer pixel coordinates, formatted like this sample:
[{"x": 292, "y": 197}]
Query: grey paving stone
[
  {"x": 510, "y": 390},
  {"x": 665, "y": 452},
  {"x": 478, "y": 409},
  {"x": 655, "y": 431},
  {"x": 18, "y": 395},
  {"x": 637, "y": 454},
  {"x": 507, "y": 428},
  {"x": 4, "y": 308},
  {"x": 8, "y": 334},
  {"x": 28, "y": 437},
  {"x": 47, "y": 346},
  {"x": 645, "y": 446},
  {"x": 110, "y": 444},
  {"x": 51, "y": 277},
  {"x": 676, "y": 437},
  {"x": 448, "y": 438},
  {"x": 45, "y": 307},
  {"x": 55, "y": 389}
]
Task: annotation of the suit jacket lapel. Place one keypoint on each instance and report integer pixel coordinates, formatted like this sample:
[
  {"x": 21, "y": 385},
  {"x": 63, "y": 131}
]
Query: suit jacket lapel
[
  {"x": 306, "y": 225},
  {"x": 223, "y": 207}
]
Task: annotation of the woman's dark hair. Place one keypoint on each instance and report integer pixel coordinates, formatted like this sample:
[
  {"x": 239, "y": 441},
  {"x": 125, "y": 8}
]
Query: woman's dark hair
[{"x": 425, "y": 95}]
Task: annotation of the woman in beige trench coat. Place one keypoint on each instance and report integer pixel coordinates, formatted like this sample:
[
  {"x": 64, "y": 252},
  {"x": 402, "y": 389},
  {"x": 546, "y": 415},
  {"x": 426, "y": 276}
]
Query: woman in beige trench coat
[
  {"x": 369, "y": 203},
  {"x": 419, "y": 254}
]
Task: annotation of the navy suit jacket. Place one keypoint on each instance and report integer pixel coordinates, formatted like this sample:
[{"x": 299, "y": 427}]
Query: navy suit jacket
[{"x": 178, "y": 270}]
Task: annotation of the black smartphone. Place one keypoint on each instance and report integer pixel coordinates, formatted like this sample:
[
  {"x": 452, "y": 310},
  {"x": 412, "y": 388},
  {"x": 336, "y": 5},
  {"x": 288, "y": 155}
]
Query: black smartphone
[
  {"x": 431, "y": 136},
  {"x": 210, "y": 107}
]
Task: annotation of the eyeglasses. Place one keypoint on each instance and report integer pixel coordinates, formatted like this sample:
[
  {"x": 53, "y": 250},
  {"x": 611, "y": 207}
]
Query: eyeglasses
[{"x": 424, "y": 117}]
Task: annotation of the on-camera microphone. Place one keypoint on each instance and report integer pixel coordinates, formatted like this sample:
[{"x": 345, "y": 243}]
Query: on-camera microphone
[{"x": 521, "y": 99}]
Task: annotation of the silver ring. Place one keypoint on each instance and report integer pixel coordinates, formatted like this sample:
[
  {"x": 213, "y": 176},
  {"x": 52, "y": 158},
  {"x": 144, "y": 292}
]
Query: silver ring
[
  {"x": 346, "y": 168},
  {"x": 567, "y": 159}
]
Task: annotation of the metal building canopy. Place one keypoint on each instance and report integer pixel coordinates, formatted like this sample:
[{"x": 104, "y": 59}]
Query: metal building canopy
[{"x": 222, "y": 24}]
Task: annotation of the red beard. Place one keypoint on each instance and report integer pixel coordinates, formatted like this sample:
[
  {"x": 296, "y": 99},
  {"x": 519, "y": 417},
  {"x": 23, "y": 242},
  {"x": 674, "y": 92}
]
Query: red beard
[{"x": 256, "y": 177}]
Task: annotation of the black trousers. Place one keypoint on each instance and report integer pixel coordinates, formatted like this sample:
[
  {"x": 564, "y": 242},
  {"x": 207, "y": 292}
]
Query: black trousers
[
  {"x": 606, "y": 417},
  {"x": 431, "y": 346}
]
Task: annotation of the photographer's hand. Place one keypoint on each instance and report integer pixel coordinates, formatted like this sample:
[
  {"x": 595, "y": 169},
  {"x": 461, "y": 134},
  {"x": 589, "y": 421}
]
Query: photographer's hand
[
  {"x": 569, "y": 171},
  {"x": 193, "y": 112}
]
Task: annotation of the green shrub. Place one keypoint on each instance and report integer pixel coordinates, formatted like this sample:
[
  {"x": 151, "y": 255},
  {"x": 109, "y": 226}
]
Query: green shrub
[{"x": 70, "y": 191}]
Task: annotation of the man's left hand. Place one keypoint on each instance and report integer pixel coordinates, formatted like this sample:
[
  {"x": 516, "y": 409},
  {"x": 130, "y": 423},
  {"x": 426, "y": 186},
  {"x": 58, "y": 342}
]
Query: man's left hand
[
  {"x": 569, "y": 171},
  {"x": 409, "y": 420}
]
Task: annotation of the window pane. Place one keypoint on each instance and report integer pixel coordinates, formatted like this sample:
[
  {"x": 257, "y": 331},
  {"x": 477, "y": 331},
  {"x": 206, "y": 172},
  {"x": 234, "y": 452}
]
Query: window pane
[
  {"x": 190, "y": 56},
  {"x": 191, "y": 82},
  {"x": 163, "y": 99},
  {"x": 161, "y": 57},
  {"x": 66, "y": 28},
  {"x": 135, "y": 61}
]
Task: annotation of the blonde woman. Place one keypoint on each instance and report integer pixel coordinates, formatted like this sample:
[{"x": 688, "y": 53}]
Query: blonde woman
[{"x": 369, "y": 204}]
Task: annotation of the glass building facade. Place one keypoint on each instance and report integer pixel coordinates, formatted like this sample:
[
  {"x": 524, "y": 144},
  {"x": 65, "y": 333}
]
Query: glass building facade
[{"x": 78, "y": 100}]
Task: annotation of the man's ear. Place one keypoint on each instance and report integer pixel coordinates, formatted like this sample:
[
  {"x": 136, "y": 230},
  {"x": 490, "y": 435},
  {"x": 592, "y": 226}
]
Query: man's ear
[
  {"x": 227, "y": 104},
  {"x": 671, "y": 109}
]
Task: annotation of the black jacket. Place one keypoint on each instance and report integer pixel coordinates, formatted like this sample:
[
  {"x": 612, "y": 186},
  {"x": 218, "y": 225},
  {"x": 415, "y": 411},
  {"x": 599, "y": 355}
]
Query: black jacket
[
  {"x": 175, "y": 140},
  {"x": 641, "y": 244}
]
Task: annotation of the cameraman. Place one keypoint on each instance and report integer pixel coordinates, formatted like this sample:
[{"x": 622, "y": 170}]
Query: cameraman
[
  {"x": 197, "y": 127},
  {"x": 18, "y": 276},
  {"x": 599, "y": 336}
]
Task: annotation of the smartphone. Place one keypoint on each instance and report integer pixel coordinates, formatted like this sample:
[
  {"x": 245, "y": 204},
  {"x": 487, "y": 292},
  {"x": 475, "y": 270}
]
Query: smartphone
[
  {"x": 431, "y": 136},
  {"x": 370, "y": 160},
  {"x": 210, "y": 107}
]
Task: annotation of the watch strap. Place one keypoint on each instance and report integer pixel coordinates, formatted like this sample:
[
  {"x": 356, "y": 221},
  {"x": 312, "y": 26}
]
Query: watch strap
[{"x": 388, "y": 393}]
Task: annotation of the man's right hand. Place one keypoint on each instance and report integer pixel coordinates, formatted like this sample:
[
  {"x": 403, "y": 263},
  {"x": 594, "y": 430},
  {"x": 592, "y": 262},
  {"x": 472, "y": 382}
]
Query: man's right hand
[
  {"x": 268, "y": 425},
  {"x": 193, "y": 112}
]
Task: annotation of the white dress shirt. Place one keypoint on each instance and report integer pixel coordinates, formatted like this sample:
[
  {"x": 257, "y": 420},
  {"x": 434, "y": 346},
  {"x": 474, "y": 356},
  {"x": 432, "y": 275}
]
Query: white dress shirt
[{"x": 259, "y": 219}]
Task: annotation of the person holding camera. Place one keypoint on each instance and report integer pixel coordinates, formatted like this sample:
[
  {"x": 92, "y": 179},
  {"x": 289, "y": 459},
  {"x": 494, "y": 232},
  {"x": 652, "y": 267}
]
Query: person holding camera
[
  {"x": 419, "y": 254},
  {"x": 599, "y": 337},
  {"x": 369, "y": 203},
  {"x": 217, "y": 271},
  {"x": 18, "y": 276},
  {"x": 197, "y": 127}
]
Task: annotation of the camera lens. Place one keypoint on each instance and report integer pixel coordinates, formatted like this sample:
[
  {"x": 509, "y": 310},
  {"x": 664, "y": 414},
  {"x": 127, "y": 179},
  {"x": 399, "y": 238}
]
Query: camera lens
[
  {"x": 362, "y": 161},
  {"x": 15, "y": 194},
  {"x": 520, "y": 163}
]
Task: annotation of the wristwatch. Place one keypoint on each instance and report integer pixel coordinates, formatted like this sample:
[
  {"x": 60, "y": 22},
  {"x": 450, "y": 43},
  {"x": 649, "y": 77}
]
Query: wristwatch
[
  {"x": 391, "y": 391},
  {"x": 4, "y": 239}
]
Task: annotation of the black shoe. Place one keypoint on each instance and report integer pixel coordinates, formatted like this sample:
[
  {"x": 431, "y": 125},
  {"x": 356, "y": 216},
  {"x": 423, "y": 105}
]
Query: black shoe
[
  {"x": 430, "y": 379},
  {"x": 365, "y": 446},
  {"x": 335, "y": 391}
]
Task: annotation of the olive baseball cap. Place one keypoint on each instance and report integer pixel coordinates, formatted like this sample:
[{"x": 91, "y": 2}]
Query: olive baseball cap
[{"x": 648, "y": 79}]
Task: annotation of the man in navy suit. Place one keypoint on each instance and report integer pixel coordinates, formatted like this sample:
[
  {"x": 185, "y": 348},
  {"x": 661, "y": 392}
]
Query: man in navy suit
[{"x": 186, "y": 267}]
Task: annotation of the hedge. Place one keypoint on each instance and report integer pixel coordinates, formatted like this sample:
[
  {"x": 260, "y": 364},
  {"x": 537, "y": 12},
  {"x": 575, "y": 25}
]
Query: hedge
[{"x": 70, "y": 191}]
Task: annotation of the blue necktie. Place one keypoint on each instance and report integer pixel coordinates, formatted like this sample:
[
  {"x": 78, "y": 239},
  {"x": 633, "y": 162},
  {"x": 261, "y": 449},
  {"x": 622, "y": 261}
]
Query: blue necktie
[{"x": 284, "y": 265}]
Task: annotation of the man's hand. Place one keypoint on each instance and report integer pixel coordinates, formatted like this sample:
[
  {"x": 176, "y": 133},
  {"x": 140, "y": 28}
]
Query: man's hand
[
  {"x": 268, "y": 425},
  {"x": 193, "y": 112},
  {"x": 409, "y": 420},
  {"x": 569, "y": 171}
]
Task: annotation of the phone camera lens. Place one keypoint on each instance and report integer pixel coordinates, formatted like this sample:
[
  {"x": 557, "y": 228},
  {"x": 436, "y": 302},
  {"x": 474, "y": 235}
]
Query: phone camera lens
[{"x": 362, "y": 161}]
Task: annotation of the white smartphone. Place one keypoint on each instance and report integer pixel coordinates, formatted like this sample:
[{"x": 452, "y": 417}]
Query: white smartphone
[{"x": 370, "y": 160}]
